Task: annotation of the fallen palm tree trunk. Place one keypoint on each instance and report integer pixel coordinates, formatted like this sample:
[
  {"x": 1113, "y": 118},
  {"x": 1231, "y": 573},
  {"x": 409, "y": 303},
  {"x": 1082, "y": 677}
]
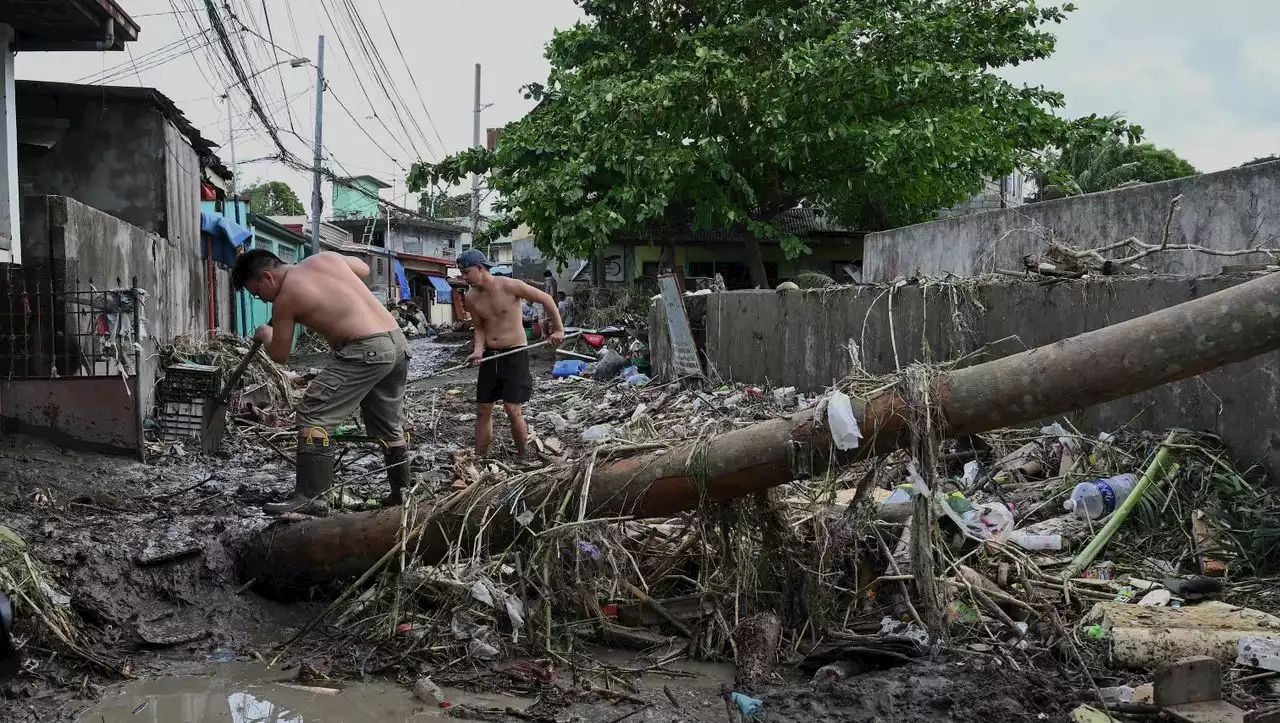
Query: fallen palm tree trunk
[{"x": 1175, "y": 343}]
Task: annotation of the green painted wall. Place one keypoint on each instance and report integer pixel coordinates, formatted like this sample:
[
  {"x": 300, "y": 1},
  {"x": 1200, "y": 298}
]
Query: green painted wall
[
  {"x": 252, "y": 311},
  {"x": 360, "y": 202}
]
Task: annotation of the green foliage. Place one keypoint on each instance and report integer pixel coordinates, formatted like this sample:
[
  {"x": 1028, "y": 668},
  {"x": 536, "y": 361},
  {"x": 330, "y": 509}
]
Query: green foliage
[
  {"x": 813, "y": 280},
  {"x": 711, "y": 114},
  {"x": 1261, "y": 159},
  {"x": 273, "y": 198},
  {"x": 1101, "y": 164},
  {"x": 442, "y": 205}
]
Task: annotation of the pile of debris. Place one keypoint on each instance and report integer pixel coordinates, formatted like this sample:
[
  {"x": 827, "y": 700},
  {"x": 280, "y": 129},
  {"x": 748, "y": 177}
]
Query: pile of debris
[{"x": 1149, "y": 565}]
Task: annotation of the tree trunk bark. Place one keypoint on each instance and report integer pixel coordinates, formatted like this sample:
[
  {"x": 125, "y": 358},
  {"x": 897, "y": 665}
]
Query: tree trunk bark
[
  {"x": 597, "y": 269},
  {"x": 1175, "y": 343},
  {"x": 756, "y": 641},
  {"x": 755, "y": 262}
]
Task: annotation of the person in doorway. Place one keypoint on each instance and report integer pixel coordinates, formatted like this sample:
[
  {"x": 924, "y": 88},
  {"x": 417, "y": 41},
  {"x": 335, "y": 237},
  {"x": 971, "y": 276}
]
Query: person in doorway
[
  {"x": 550, "y": 288},
  {"x": 495, "y": 306},
  {"x": 562, "y": 305},
  {"x": 326, "y": 293}
]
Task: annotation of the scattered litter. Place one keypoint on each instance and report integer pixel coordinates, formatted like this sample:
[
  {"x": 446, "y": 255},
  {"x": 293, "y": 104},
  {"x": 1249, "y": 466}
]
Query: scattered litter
[{"x": 598, "y": 433}]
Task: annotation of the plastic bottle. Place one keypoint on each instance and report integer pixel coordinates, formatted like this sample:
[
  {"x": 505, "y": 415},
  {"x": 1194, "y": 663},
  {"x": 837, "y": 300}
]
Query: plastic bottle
[
  {"x": 428, "y": 692},
  {"x": 1038, "y": 542},
  {"x": 1100, "y": 497}
]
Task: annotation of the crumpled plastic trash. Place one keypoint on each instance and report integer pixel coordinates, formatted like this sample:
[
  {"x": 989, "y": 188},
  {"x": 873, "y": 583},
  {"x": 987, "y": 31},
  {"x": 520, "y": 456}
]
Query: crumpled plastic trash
[
  {"x": 746, "y": 704},
  {"x": 597, "y": 433},
  {"x": 844, "y": 426},
  {"x": 481, "y": 650}
]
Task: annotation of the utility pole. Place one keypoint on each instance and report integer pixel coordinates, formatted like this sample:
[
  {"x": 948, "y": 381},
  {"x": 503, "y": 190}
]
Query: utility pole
[
  {"x": 231, "y": 142},
  {"x": 475, "y": 178},
  {"x": 316, "y": 202}
]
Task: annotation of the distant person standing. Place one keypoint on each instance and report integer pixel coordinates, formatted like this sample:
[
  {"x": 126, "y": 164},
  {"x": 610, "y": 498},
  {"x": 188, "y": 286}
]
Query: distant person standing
[
  {"x": 562, "y": 305},
  {"x": 495, "y": 306},
  {"x": 550, "y": 288}
]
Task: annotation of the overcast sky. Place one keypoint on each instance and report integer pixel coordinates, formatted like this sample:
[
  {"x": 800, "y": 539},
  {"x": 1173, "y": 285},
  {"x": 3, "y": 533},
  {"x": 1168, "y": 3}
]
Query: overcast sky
[{"x": 1201, "y": 81}]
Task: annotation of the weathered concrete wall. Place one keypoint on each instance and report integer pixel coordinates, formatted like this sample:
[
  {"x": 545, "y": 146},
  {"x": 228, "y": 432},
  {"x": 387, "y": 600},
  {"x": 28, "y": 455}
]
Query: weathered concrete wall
[
  {"x": 801, "y": 338},
  {"x": 1228, "y": 210},
  {"x": 527, "y": 262},
  {"x": 97, "y": 247},
  {"x": 85, "y": 246},
  {"x": 112, "y": 157}
]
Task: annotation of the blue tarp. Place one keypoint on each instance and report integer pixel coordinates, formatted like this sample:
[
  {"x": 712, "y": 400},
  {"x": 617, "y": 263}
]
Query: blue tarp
[
  {"x": 217, "y": 224},
  {"x": 404, "y": 281},
  {"x": 444, "y": 292}
]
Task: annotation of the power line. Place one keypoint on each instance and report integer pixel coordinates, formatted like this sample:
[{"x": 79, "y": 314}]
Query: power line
[
  {"x": 364, "y": 45},
  {"x": 146, "y": 61},
  {"x": 412, "y": 78},
  {"x": 279, "y": 73},
  {"x": 364, "y": 131},
  {"x": 370, "y": 49},
  {"x": 239, "y": 71},
  {"x": 351, "y": 63}
]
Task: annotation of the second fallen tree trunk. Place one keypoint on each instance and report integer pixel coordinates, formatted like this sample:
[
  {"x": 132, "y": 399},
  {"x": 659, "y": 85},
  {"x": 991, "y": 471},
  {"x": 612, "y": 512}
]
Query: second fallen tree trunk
[{"x": 1171, "y": 344}]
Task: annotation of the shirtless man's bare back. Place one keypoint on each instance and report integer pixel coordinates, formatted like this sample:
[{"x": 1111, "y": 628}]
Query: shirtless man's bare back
[
  {"x": 494, "y": 303},
  {"x": 326, "y": 294}
]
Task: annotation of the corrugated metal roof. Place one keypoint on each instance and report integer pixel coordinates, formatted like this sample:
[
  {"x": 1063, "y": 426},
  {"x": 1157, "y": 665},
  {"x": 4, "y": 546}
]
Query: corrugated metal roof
[{"x": 68, "y": 21}]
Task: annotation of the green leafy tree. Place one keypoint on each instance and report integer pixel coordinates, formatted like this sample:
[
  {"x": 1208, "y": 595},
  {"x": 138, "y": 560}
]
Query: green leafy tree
[
  {"x": 706, "y": 114},
  {"x": 442, "y": 205},
  {"x": 1158, "y": 164},
  {"x": 1090, "y": 165},
  {"x": 273, "y": 198}
]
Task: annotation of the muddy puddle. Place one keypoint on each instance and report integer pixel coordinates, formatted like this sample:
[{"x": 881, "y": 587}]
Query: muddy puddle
[{"x": 236, "y": 693}]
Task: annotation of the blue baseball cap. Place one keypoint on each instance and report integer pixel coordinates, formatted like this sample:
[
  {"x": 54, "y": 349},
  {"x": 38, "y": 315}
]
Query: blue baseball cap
[{"x": 473, "y": 257}]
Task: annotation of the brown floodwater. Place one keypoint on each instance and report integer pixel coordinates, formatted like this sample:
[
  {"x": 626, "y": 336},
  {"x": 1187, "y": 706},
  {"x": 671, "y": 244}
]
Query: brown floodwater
[{"x": 244, "y": 693}]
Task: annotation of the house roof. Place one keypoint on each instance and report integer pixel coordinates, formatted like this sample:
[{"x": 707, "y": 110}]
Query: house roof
[
  {"x": 805, "y": 222},
  {"x": 373, "y": 181},
  {"x": 129, "y": 94},
  {"x": 279, "y": 230},
  {"x": 67, "y": 24}
]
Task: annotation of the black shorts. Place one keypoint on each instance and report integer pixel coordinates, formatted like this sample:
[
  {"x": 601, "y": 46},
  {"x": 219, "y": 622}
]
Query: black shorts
[{"x": 507, "y": 378}]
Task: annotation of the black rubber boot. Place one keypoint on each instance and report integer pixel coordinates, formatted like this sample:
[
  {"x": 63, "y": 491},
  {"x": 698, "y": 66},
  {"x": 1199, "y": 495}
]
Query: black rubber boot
[
  {"x": 314, "y": 480},
  {"x": 397, "y": 463}
]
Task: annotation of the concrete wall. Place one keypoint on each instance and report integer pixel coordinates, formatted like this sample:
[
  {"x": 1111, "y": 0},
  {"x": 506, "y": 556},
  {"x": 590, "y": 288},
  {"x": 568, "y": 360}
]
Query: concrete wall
[
  {"x": 1227, "y": 210},
  {"x": 122, "y": 158},
  {"x": 527, "y": 262},
  {"x": 800, "y": 339},
  {"x": 84, "y": 245}
]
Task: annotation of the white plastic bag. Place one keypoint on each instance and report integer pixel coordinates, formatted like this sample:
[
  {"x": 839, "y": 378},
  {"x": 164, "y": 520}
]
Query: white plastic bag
[{"x": 844, "y": 426}]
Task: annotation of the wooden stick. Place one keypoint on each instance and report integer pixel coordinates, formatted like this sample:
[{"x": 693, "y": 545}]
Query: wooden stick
[
  {"x": 659, "y": 609},
  {"x": 508, "y": 352}
]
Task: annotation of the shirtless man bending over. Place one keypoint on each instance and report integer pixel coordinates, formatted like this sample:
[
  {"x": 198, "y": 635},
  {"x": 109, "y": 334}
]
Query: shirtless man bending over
[
  {"x": 494, "y": 303},
  {"x": 370, "y": 363}
]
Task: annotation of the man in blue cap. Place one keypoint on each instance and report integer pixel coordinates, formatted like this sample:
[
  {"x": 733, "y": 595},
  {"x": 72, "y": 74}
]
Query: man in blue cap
[{"x": 494, "y": 303}]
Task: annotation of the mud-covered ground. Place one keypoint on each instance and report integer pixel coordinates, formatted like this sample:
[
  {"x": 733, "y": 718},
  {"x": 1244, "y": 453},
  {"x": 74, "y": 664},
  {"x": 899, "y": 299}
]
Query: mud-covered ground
[{"x": 146, "y": 554}]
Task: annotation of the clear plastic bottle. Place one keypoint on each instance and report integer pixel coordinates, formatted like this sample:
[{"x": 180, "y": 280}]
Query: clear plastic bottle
[{"x": 1100, "y": 497}]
